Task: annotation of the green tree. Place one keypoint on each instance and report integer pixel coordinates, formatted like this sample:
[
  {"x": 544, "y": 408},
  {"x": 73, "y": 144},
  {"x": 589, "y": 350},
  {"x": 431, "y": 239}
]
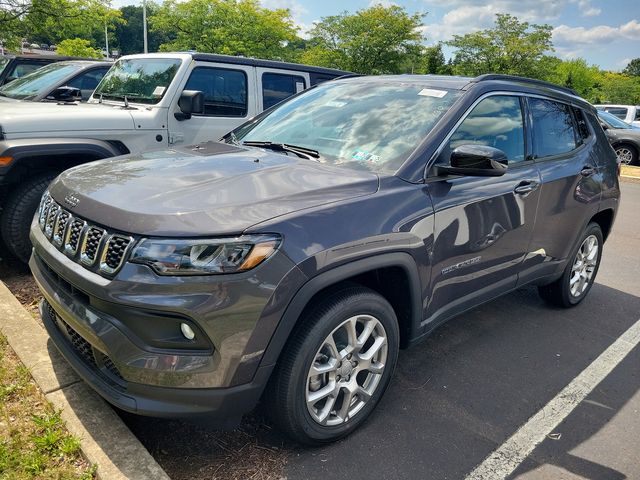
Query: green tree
[
  {"x": 232, "y": 27},
  {"x": 78, "y": 47},
  {"x": 576, "y": 74},
  {"x": 618, "y": 88},
  {"x": 375, "y": 40},
  {"x": 434, "y": 61},
  {"x": 128, "y": 34},
  {"x": 633, "y": 68},
  {"x": 511, "y": 47}
]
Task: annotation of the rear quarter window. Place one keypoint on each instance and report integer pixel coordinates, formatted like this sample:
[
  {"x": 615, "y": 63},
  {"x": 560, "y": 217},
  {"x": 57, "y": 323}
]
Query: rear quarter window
[{"x": 553, "y": 129}]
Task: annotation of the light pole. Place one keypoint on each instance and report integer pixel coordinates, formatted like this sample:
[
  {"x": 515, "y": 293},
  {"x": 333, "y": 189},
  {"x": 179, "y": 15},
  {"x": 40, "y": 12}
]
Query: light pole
[
  {"x": 144, "y": 24},
  {"x": 106, "y": 38}
]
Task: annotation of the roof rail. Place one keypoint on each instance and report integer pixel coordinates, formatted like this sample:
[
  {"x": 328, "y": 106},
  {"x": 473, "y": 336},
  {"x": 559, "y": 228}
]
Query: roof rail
[{"x": 514, "y": 78}]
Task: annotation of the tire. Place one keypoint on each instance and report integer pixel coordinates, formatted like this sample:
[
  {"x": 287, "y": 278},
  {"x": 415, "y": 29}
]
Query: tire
[
  {"x": 292, "y": 384},
  {"x": 18, "y": 211},
  {"x": 564, "y": 293},
  {"x": 627, "y": 154}
]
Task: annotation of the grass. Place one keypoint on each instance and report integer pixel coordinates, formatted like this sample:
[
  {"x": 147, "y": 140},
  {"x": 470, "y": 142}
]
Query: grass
[{"x": 34, "y": 443}]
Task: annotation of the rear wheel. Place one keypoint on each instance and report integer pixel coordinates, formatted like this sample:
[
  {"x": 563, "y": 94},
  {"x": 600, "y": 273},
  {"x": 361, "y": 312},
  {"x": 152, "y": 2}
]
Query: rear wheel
[
  {"x": 335, "y": 368},
  {"x": 627, "y": 154},
  {"x": 580, "y": 272},
  {"x": 18, "y": 211}
]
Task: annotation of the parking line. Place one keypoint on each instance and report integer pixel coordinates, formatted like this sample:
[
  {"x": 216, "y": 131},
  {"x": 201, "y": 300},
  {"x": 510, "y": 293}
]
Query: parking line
[{"x": 503, "y": 461}]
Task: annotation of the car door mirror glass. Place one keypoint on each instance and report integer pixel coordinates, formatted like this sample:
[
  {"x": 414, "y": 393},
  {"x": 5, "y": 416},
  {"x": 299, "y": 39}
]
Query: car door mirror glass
[
  {"x": 190, "y": 102},
  {"x": 476, "y": 160},
  {"x": 65, "y": 94}
]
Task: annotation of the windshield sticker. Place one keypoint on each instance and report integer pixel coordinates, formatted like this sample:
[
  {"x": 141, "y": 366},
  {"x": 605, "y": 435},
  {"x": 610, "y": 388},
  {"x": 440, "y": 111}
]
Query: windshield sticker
[
  {"x": 430, "y": 92},
  {"x": 362, "y": 156},
  {"x": 158, "y": 91}
]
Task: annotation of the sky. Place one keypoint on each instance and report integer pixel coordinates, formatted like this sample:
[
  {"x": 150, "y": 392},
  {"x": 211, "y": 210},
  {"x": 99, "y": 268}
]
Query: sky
[{"x": 605, "y": 33}]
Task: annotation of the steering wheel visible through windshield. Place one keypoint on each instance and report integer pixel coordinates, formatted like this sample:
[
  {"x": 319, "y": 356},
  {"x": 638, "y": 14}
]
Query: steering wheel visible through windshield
[
  {"x": 370, "y": 125},
  {"x": 142, "y": 80}
]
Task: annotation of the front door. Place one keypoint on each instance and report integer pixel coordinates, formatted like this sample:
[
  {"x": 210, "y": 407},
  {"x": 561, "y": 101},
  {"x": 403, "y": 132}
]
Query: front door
[
  {"x": 229, "y": 96},
  {"x": 483, "y": 225}
]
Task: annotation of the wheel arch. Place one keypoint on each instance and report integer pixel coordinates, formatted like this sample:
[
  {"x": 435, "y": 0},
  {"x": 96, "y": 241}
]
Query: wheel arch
[
  {"x": 604, "y": 218},
  {"x": 31, "y": 156},
  {"x": 401, "y": 288}
]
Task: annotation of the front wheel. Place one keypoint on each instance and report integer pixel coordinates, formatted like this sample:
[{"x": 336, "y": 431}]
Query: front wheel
[
  {"x": 580, "y": 272},
  {"x": 18, "y": 212},
  {"x": 627, "y": 154},
  {"x": 335, "y": 368}
]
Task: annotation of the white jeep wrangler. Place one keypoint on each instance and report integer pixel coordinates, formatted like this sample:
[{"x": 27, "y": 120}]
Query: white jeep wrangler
[{"x": 144, "y": 102}]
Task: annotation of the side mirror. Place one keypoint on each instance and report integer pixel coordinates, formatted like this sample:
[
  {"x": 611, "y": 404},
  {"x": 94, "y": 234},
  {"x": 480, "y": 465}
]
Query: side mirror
[
  {"x": 190, "y": 102},
  {"x": 604, "y": 126},
  {"x": 65, "y": 94},
  {"x": 476, "y": 160}
]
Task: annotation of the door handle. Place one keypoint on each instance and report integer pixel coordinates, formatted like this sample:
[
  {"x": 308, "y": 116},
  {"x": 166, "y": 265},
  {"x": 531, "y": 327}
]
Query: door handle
[
  {"x": 587, "y": 171},
  {"x": 525, "y": 187}
]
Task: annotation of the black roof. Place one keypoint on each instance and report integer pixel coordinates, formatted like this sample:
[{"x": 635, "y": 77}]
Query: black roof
[{"x": 256, "y": 62}]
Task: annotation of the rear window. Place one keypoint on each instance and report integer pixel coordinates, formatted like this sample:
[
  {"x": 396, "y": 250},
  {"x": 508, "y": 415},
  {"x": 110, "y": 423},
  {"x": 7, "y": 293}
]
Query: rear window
[{"x": 553, "y": 129}]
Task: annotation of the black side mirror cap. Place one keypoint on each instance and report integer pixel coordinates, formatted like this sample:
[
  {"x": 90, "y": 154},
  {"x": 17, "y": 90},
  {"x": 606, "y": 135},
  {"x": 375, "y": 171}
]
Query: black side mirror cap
[
  {"x": 65, "y": 94},
  {"x": 476, "y": 160},
  {"x": 190, "y": 102}
]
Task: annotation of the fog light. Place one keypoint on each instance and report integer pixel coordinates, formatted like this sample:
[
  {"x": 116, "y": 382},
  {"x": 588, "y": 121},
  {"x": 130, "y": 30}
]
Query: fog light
[{"x": 187, "y": 331}]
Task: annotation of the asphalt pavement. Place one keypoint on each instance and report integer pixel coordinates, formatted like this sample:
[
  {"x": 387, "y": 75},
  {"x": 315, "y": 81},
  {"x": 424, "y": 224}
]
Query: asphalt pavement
[{"x": 468, "y": 390}]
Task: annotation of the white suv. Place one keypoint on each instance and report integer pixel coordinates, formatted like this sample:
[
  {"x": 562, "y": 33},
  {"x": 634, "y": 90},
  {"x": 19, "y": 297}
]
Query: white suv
[
  {"x": 144, "y": 102},
  {"x": 626, "y": 113}
]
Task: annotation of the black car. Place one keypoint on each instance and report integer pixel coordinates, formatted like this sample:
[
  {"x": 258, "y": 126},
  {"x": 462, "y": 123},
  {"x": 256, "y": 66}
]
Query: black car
[
  {"x": 61, "y": 81},
  {"x": 624, "y": 138},
  {"x": 293, "y": 261},
  {"x": 16, "y": 66}
]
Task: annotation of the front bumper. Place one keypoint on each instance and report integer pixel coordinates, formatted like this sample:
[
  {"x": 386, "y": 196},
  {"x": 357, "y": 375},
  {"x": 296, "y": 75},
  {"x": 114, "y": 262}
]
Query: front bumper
[
  {"x": 228, "y": 404},
  {"x": 92, "y": 321}
]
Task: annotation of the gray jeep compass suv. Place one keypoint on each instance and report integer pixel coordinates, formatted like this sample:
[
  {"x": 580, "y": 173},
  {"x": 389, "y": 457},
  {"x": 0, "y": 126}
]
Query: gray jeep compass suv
[{"x": 292, "y": 260}]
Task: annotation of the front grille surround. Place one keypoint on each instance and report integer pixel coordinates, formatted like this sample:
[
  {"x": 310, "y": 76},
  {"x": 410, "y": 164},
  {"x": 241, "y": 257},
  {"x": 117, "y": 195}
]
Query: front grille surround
[{"x": 88, "y": 244}]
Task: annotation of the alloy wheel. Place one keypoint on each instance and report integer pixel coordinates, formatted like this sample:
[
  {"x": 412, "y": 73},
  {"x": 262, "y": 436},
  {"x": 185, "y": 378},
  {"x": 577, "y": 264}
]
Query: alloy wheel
[
  {"x": 346, "y": 370},
  {"x": 625, "y": 155},
  {"x": 584, "y": 266}
]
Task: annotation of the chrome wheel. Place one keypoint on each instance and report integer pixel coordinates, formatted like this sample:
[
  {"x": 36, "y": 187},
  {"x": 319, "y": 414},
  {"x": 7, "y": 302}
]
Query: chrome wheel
[
  {"x": 346, "y": 370},
  {"x": 625, "y": 155},
  {"x": 584, "y": 265}
]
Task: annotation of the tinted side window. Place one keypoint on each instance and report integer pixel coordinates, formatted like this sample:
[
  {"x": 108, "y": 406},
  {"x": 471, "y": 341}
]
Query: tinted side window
[
  {"x": 583, "y": 129},
  {"x": 553, "y": 130},
  {"x": 637, "y": 113},
  {"x": 88, "y": 80},
  {"x": 276, "y": 87},
  {"x": 225, "y": 91},
  {"x": 496, "y": 122}
]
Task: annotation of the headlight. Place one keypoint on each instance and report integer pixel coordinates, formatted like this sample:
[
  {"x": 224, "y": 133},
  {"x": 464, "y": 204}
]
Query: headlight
[{"x": 203, "y": 256}]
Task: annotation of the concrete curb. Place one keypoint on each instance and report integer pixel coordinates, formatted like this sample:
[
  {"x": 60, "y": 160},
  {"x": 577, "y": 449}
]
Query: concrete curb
[
  {"x": 629, "y": 179},
  {"x": 104, "y": 439}
]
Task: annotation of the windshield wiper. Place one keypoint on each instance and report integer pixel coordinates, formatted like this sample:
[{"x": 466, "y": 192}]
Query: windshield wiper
[{"x": 303, "y": 152}]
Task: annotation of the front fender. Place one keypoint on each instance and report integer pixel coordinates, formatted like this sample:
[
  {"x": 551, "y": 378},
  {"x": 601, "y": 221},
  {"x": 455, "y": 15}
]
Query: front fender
[{"x": 41, "y": 150}]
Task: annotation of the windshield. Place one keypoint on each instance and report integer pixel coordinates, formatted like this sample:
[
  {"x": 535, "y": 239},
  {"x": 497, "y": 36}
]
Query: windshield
[
  {"x": 613, "y": 121},
  {"x": 41, "y": 81},
  {"x": 357, "y": 124},
  {"x": 142, "y": 80}
]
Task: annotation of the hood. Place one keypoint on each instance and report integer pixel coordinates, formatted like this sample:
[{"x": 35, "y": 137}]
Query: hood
[
  {"x": 8, "y": 100},
  {"x": 217, "y": 189},
  {"x": 43, "y": 117}
]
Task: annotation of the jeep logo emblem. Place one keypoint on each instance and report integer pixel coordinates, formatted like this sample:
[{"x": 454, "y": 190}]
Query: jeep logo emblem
[{"x": 71, "y": 200}]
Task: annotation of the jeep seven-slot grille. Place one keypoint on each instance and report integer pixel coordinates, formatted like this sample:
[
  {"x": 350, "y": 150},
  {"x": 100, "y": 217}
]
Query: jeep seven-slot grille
[{"x": 89, "y": 245}]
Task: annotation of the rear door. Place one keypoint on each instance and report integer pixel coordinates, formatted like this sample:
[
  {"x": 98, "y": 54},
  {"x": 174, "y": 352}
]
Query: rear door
[
  {"x": 229, "y": 100},
  {"x": 276, "y": 85},
  {"x": 570, "y": 193},
  {"x": 483, "y": 225}
]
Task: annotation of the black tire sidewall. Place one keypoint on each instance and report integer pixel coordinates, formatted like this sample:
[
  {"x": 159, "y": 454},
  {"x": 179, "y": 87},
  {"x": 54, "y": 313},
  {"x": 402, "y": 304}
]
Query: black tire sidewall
[
  {"x": 568, "y": 298},
  {"x": 18, "y": 212},
  {"x": 371, "y": 304}
]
